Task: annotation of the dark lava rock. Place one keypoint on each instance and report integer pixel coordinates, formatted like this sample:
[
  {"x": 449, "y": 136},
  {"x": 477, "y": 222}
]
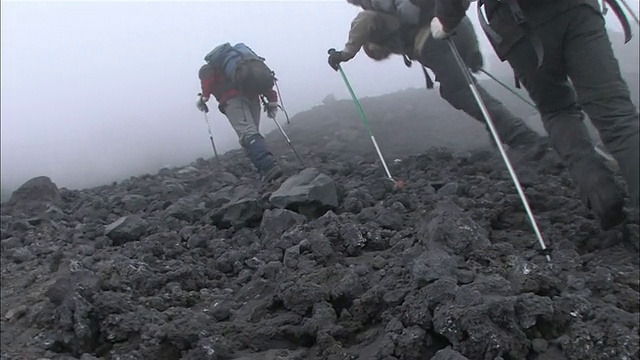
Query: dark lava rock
[
  {"x": 125, "y": 229},
  {"x": 243, "y": 209},
  {"x": 309, "y": 187},
  {"x": 187, "y": 209},
  {"x": 37, "y": 189},
  {"x": 275, "y": 222},
  {"x": 332, "y": 268}
]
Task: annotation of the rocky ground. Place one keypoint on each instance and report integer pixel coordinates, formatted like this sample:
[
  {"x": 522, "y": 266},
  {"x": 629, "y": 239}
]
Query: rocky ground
[{"x": 204, "y": 262}]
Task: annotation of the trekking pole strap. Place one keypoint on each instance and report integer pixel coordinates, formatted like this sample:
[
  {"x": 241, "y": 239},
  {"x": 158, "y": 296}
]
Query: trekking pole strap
[{"x": 509, "y": 89}]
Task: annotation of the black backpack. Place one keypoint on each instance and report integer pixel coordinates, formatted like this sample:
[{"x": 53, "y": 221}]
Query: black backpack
[{"x": 242, "y": 67}]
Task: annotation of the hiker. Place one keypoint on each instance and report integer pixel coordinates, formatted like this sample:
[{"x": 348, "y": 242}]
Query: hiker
[
  {"x": 561, "y": 53},
  {"x": 382, "y": 34},
  {"x": 238, "y": 85}
]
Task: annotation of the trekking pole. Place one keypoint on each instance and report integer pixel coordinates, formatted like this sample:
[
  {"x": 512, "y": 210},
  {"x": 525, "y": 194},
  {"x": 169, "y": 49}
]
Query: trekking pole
[
  {"x": 206, "y": 119},
  {"x": 633, "y": 14},
  {"x": 398, "y": 183},
  {"x": 264, "y": 101},
  {"x": 509, "y": 89},
  {"x": 496, "y": 137},
  {"x": 281, "y": 105}
]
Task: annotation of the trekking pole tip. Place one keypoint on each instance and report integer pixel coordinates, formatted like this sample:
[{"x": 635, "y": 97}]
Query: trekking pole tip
[{"x": 399, "y": 184}]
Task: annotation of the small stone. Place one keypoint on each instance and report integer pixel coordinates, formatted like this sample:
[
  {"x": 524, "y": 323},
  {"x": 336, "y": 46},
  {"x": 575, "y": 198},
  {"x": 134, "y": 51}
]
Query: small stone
[
  {"x": 86, "y": 250},
  {"x": 465, "y": 276},
  {"x": 291, "y": 256},
  {"x": 449, "y": 189},
  {"x": 378, "y": 262},
  {"x": 539, "y": 345},
  {"x": 253, "y": 263},
  {"x": 10, "y": 243},
  {"x": 20, "y": 255},
  {"x": 16, "y": 313},
  {"x": 221, "y": 311},
  {"x": 196, "y": 241},
  {"x": 102, "y": 242}
]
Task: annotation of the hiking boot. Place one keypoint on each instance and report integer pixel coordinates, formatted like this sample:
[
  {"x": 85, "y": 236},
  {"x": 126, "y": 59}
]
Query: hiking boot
[
  {"x": 262, "y": 159},
  {"x": 605, "y": 199},
  {"x": 274, "y": 173}
]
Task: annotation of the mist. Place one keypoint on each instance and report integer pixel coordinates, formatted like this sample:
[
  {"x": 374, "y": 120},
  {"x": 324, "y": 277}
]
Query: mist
[{"x": 95, "y": 92}]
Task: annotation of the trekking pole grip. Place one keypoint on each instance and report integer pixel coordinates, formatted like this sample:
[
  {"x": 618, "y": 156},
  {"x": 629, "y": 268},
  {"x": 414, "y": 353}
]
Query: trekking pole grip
[{"x": 331, "y": 51}]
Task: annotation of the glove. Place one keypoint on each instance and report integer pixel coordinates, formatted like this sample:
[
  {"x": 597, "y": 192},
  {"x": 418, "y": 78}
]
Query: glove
[
  {"x": 335, "y": 58},
  {"x": 437, "y": 29},
  {"x": 201, "y": 104},
  {"x": 271, "y": 109}
]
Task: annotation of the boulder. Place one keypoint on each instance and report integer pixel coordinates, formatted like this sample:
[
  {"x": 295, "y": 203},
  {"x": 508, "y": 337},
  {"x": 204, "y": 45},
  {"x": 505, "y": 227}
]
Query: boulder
[
  {"x": 190, "y": 208},
  {"x": 34, "y": 195},
  {"x": 125, "y": 229},
  {"x": 275, "y": 222},
  {"x": 309, "y": 189},
  {"x": 243, "y": 209}
]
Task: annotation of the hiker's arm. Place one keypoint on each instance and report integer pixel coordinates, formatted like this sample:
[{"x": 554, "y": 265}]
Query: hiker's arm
[
  {"x": 451, "y": 12},
  {"x": 207, "y": 87},
  {"x": 272, "y": 96},
  {"x": 358, "y": 35}
]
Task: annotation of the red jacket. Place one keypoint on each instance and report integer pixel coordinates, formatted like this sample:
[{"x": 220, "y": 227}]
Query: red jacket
[{"x": 218, "y": 86}]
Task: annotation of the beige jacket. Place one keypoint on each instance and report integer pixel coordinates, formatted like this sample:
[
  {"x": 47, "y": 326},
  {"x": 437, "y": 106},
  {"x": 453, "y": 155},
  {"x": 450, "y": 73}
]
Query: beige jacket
[{"x": 374, "y": 27}]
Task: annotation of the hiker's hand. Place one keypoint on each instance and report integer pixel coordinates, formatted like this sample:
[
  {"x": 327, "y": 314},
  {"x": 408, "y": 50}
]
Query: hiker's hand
[
  {"x": 335, "y": 58},
  {"x": 437, "y": 29},
  {"x": 271, "y": 109},
  {"x": 201, "y": 103}
]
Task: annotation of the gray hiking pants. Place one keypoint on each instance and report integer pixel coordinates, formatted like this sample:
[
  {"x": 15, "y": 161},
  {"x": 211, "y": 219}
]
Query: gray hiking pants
[
  {"x": 454, "y": 88},
  {"x": 244, "y": 117},
  {"x": 576, "y": 46}
]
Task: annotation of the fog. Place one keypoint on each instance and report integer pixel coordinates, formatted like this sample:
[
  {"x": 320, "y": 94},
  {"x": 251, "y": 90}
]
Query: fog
[{"x": 94, "y": 92}]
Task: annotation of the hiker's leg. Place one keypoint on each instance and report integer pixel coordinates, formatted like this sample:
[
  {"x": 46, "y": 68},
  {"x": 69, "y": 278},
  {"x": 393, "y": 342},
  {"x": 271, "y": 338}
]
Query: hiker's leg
[
  {"x": 602, "y": 91},
  {"x": 238, "y": 111},
  {"x": 260, "y": 155},
  {"x": 254, "y": 105},
  {"x": 563, "y": 119},
  {"x": 271, "y": 169},
  {"x": 454, "y": 88}
]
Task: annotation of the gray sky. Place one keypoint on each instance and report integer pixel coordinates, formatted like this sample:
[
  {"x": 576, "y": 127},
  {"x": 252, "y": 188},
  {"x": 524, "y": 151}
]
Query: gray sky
[{"x": 98, "y": 91}]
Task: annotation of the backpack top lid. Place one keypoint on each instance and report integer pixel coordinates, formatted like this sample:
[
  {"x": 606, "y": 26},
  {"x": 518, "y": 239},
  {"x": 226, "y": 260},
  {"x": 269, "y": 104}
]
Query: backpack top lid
[
  {"x": 245, "y": 51},
  {"x": 216, "y": 55},
  {"x": 223, "y": 52}
]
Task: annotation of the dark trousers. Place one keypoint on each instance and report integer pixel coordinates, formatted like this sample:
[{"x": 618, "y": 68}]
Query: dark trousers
[{"x": 580, "y": 72}]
